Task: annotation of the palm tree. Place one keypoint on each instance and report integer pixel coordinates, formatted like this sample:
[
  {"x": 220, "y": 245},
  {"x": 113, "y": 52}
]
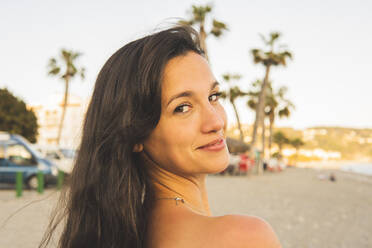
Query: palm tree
[
  {"x": 297, "y": 143},
  {"x": 277, "y": 105},
  {"x": 280, "y": 139},
  {"x": 66, "y": 72},
  {"x": 252, "y": 104},
  {"x": 268, "y": 59},
  {"x": 198, "y": 16},
  {"x": 232, "y": 94}
]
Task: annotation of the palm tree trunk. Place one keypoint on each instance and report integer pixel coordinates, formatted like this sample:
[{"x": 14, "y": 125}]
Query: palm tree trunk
[
  {"x": 263, "y": 137},
  {"x": 203, "y": 37},
  {"x": 271, "y": 133},
  {"x": 238, "y": 121},
  {"x": 260, "y": 165},
  {"x": 63, "y": 110},
  {"x": 296, "y": 156},
  {"x": 260, "y": 107}
]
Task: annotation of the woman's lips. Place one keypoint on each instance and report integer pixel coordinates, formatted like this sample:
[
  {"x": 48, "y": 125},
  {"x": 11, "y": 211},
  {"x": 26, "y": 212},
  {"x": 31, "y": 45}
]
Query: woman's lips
[{"x": 215, "y": 146}]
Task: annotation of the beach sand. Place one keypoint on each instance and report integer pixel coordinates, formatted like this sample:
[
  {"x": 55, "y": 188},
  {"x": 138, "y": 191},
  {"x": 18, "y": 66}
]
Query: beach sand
[{"x": 304, "y": 211}]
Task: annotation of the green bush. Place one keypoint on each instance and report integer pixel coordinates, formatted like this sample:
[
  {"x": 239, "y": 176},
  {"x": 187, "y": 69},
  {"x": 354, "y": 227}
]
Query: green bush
[{"x": 15, "y": 118}]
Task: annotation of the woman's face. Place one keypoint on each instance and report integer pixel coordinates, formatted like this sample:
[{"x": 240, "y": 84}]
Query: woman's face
[{"x": 191, "y": 117}]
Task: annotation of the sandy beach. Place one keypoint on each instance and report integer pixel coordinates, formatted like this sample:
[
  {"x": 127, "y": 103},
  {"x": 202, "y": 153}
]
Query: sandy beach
[{"x": 305, "y": 211}]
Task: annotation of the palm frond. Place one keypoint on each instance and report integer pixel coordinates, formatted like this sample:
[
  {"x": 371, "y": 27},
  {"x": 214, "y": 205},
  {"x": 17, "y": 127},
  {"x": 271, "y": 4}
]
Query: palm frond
[
  {"x": 218, "y": 28},
  {"x": 297, "y": 143},
  {"x": 287, "y": 54},
  {"x": 236, "y": 76},
  {"x": 284, "y": 112},
  {"x": 75, "y": 55},
  {"x": 266, "y": 42},
  {"x": 54, "y": 71},
  {"x": 82, "y": 73},
  {"x": 252, "y": 104},
  {"x": 236, "y": 92},
  {"x": 223, "y": 95},
  {"x": 282, "y": 91},
  {"x": 66, "y": 55},
  {"x": 186, "y": 23},
  {"x": 228, "y": 77},
  {"x": 258, "y": 55},
  {"x": 52, "y": 62},
  {"x": 199, "y": 12},
  {"x": 280, "y": 138},
  {"x": 274, "y": 36}
]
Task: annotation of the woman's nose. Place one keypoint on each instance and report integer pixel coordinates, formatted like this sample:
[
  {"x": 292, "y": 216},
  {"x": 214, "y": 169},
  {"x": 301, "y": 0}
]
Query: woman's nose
[{"x": 213, "y": 119}]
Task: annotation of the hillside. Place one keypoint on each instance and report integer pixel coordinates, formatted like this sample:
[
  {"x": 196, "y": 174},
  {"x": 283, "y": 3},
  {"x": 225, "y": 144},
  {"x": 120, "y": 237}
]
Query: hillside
[{"x": 352, "y": 143}]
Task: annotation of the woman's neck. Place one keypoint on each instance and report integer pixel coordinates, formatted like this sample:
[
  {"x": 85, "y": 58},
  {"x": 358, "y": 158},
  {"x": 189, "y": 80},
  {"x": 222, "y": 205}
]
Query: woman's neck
[{"x": 191, "y": 189}]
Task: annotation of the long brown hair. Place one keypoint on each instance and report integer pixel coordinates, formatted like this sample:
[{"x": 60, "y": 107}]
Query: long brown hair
[{"x": 107, "y": 200}]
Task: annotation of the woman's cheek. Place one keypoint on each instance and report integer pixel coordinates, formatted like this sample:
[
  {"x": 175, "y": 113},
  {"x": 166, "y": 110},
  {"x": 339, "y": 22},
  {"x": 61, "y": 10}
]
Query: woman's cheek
[{"x": 223, "y": 116}]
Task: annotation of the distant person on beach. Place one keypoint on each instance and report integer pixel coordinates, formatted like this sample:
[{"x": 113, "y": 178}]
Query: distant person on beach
[
  {"x": 153, "y": 130},
  {"x": 332, "y": 177}
]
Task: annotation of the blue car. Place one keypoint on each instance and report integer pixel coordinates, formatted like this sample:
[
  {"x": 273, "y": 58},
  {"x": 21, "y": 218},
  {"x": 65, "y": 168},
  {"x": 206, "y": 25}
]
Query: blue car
[{"x": 16, "y": 154}]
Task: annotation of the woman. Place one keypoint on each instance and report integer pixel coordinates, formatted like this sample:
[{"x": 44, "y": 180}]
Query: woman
[{"x": 153, "y": 130}]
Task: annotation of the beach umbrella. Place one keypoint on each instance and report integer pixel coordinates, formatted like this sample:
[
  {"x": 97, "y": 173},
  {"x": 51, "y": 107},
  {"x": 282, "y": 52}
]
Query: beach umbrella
[{"x": 236, "y": 146}]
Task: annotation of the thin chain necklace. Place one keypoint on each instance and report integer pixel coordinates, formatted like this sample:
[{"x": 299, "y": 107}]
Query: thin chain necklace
[{"x": 179, "y": 199}]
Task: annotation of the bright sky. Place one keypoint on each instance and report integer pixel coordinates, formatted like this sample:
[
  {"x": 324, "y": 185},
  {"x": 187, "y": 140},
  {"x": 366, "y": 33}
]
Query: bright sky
[{"x": 329, "y": 79}]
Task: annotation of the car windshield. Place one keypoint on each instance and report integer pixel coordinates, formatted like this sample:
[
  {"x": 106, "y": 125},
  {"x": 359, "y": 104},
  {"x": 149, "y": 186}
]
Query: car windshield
[
  {"x": 68, "y": 153},
  {"x": 29, "y": 146}
]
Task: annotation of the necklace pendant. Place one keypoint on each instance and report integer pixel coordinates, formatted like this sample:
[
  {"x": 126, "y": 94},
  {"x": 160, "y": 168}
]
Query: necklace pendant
[{"x": 179, "y": 199}]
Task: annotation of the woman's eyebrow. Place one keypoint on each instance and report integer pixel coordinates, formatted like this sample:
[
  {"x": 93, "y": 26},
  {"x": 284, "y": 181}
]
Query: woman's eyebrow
[{"x": 189, "y": 93}]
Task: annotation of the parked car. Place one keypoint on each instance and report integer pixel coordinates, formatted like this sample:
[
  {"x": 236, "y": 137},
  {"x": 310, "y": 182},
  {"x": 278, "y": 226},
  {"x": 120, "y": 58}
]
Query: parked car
[
  {"x": 17, "y": 154},
  {"x": 63, "y": 158}
]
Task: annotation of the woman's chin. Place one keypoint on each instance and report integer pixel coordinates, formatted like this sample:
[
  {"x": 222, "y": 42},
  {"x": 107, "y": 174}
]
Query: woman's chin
[
  {"x": 218, "y": 167},
  {"x": 223, "y": 163}
]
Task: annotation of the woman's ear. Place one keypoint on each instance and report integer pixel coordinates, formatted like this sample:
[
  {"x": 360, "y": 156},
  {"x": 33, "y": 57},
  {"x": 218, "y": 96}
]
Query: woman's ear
[{"x": 138, "y": 148}]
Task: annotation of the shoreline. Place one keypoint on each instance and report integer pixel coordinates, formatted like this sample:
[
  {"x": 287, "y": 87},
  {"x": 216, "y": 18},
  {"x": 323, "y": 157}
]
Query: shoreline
[
  {"x": 340, "y": 165},
  {"x": 330, "y": 163}
]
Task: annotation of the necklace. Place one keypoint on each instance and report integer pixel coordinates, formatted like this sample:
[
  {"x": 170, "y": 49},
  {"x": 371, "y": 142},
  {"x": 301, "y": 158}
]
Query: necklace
[{"x": 179, "y": 199}]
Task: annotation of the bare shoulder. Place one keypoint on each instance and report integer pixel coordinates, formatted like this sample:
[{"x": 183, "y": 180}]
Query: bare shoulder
[
  {"x": 242, "y": 231},
  {"x": 185, "y": 229}
]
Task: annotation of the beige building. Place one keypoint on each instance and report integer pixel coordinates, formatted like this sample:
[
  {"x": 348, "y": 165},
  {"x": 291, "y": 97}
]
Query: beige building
[{"x": 49, "y": 115}]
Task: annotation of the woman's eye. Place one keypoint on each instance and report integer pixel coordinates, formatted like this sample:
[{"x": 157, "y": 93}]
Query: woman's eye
[
  {"x": 182, "y": 108},
  {"x": 215, "y": 96}
]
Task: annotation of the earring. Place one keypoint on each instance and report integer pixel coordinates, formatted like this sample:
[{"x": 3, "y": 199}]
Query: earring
[{"x": 138, "y": 148}]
